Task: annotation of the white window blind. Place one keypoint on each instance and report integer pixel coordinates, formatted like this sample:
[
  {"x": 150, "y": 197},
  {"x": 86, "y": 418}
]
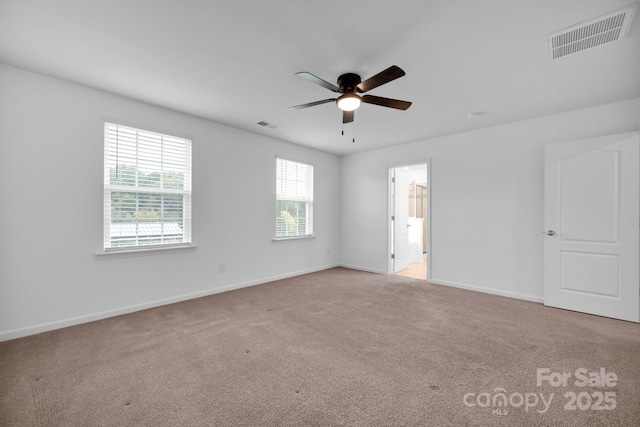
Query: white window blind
[
  {"x": 294, "y": 199},
  {"x": 147, "y": 189}
]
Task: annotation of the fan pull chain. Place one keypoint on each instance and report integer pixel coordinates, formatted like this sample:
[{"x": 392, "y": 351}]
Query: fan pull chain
[{"x": 354, "y": 133}]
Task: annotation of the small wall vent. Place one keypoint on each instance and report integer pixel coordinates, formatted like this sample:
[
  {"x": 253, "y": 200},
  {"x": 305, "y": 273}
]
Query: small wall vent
[
  {"x": 268, "y": 125},
  {"x": 598, "y": 31}
]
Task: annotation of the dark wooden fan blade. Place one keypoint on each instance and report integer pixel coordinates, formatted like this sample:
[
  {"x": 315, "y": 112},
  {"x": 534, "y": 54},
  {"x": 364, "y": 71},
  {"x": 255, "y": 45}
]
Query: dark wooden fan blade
[
  {"x": 312, "y": 104},
  {"x": 390, "y": 74},
  {"x": 317, "y": 80},
  {"x": 386, "y": 102},
  {"x": 347, "y": 116}
]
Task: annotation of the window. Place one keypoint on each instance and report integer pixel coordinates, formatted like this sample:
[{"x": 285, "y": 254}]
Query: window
[
  {"x": 294, "y": 199},
  {"x": 147, "y": 189}
]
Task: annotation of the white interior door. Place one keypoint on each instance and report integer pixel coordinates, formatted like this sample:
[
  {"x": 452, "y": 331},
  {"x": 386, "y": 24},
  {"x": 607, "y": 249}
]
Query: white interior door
[
  {"x": 401, "y": 221},
  {"x": 592, "y": 213}
]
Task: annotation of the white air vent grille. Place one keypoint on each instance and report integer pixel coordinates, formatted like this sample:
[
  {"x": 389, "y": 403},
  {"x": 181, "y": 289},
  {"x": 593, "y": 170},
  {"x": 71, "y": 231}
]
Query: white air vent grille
[
  {"x": 268, "y": 125},
  {"x": 604, "y": 29}
]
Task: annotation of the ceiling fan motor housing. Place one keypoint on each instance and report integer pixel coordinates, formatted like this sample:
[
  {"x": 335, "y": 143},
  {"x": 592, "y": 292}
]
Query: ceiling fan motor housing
[{"x": 348, "y": 82}]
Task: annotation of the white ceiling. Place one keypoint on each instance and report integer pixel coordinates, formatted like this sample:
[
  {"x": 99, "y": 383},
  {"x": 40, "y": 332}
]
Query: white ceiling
[{"x": 234, "y": 61}]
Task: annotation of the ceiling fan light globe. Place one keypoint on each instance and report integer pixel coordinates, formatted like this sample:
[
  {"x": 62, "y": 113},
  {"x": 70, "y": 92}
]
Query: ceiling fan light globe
[{"x": 349, "y": 102}]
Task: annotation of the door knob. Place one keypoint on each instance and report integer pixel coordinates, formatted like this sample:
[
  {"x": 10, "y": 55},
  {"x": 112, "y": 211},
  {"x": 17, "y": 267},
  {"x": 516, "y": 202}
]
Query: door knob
[{"x": 551, "y": 233}]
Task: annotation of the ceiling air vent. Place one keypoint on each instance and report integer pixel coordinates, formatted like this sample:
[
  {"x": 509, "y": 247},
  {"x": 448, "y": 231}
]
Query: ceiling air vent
[
  {"x": 595, "y": 32},
  {"x": 268, "y": 125}
]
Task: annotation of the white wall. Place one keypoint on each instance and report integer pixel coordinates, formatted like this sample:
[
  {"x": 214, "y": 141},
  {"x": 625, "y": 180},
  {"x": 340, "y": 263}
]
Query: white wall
[
  {"x": 486, "y": 188},
  {"x": 486, "y": 199},
  {"x": 51, "y": 160}
]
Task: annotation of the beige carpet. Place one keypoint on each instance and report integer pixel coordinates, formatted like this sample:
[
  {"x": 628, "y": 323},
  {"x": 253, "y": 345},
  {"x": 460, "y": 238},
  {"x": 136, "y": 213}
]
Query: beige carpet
[{"x": 338, "y": 347}]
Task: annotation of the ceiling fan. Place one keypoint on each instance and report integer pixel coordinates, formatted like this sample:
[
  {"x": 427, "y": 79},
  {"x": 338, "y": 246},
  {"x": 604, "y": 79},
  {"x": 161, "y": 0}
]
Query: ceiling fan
[{"x": 349, "y": 84}]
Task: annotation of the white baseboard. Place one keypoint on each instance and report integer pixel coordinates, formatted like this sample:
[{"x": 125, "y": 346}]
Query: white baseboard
[
  {"x": 71, "y": 321},
  {"x": 482, "y": 289},
  {"x": 361, "y": 268},
  {"x": 499, "y": 292}
]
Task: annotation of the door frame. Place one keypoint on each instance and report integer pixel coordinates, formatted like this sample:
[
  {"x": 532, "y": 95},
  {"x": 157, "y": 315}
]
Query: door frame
[{"x": 390, "y": 230}]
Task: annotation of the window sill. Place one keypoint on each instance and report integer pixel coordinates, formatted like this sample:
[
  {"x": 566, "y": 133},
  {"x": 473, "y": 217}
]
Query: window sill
[
  {"x": 289, "y": 239},
  {"x": 129, "y": 252}
]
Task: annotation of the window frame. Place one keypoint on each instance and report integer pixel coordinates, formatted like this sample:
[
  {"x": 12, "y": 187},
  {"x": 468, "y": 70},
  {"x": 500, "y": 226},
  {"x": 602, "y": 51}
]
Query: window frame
[
  {"x": 307, "y": 199},
  {"x": 109, "y": 189}
]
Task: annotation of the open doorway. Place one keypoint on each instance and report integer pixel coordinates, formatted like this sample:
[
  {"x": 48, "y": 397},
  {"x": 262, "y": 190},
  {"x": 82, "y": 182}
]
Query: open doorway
[{"x": 409, "y": 226}]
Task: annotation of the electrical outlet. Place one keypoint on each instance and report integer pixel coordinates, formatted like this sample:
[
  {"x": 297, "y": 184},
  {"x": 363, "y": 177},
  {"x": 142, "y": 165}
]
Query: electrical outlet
[{"x": 222, "y": 268}]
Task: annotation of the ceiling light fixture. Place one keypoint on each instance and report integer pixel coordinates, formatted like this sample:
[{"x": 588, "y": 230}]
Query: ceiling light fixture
[{"x": 349, "y": 101}]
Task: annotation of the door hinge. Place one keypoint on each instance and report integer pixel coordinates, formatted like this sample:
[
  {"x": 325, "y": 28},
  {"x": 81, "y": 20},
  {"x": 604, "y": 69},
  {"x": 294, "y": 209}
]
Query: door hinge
[
  {"x": 393, "y": 217},
  {"x": 393, "y": 179},
  {"x": 393, "y": 256}
]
